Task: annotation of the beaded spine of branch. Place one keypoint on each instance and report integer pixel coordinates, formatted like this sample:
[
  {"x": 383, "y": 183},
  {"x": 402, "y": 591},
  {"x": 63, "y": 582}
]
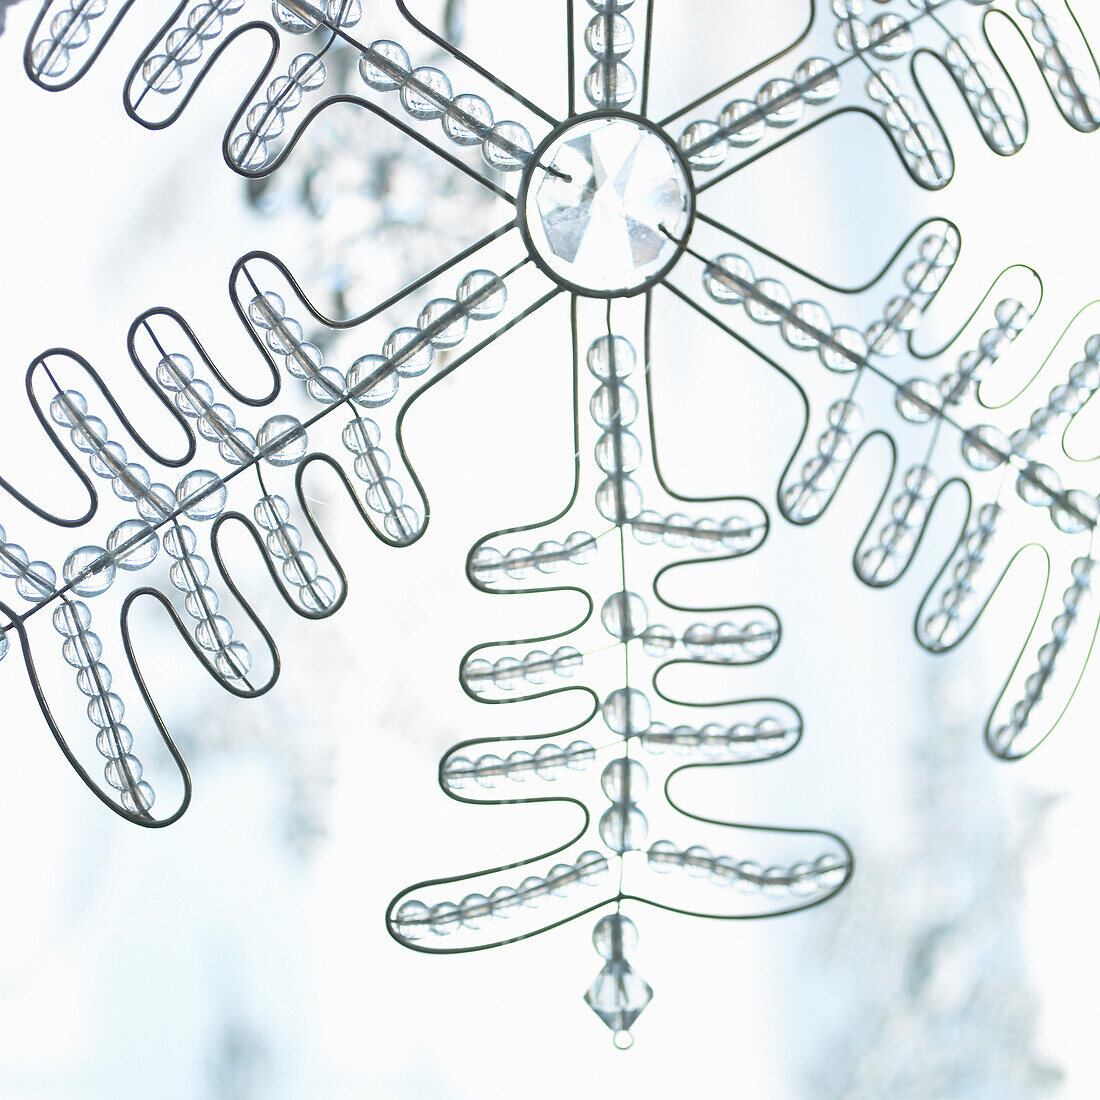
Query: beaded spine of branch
[{"x": 615, "y": 543}]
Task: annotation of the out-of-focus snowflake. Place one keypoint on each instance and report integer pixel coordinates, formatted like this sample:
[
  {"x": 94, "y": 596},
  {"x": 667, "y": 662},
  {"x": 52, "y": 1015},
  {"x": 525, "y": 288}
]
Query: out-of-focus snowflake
[
  {"x": 4, "y": 5},
  {"x": 373, "y": 200},
  {"x": 928, "y": 962}
]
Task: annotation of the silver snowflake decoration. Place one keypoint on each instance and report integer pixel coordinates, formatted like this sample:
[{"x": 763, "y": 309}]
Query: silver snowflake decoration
[{"x": 610, "y": 223}]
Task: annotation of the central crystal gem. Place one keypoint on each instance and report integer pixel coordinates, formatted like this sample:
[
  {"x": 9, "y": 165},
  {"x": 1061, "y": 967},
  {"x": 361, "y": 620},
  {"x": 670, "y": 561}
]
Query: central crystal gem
[{"x": 607, "y": 204}]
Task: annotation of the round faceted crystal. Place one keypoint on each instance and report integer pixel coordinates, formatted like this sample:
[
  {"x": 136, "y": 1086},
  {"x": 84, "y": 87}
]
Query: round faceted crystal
[{"x": 606, "y": 205}]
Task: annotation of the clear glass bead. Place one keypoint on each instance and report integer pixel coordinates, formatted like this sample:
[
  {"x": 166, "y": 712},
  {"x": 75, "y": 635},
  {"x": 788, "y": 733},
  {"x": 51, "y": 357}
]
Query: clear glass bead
[
  {"x": 618, "y": 452},
  {"x": 202, "y": 495},
  {"x": 82, "y": 649},
  {"x": 282, "y": 440},
  {"x": 619, "y": 499},
  {"x": 609, "y": 36},
  {"x": 71, "y": 618},
  {"x": 611, "y": 357},
  {"x": 384, "y": 66},
  {"x": 307, "y": 71},
  {"x": 1077, "y": 511},
  {"x": 409, "y": 351},
  {"x": 623, "y": 828},
  {"x": 411, "y": 921},
  {"x": 658, "y": 641},
  {"x": 614, "y": 936},
  {"x": 372, "y": 381},
  {"x": 507, "y": 147},
  {"x": 156, "y": 504},
  {"x": 114, "y": 741},
  {"x": 624, "y": 615},
  {"x": 662, "y": 856},
  {"x": 468, "y": 120},
  {"x": 426, "y": 93},
  {"x": 443, "y": 322},
  {"x": 295, "y": 20},
  {"x": 626, "y": 711},
  {"x": 985, "y": 447},
  {"x": 614, "y": 405},
  {"x": 94, "y": 583},
  {"x": 703, "y": 145},
  {"x": 139, "y": 798},
  {"x": 482, "y": 294},
  {"x": 743, "y": 123},
  {"x": 918, "y": 400},
  {"x": 817, "y": 80},
  {"x": 780, "y": 102},
  {"x": 1038, "y": 485},
  {"x": 610, "y": 85},
  {"x": 624, "y": 780},
  {"x": 133, "y": 544},
  {"x": 727, "y": 279},
  {"x": 845, "y": 351},
  {"x": 37, "y": 582},
  {"x": 122, "y": 771},
  {"x": 105, "y": 709},
  {"x": 162, "y": 73}
]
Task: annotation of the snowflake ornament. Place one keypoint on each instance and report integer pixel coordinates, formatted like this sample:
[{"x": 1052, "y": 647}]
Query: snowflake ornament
[{"x": 611, "y": 214}]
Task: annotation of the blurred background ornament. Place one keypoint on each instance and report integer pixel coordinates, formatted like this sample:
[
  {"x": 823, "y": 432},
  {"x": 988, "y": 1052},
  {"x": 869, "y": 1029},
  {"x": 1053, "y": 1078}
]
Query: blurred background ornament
[
  {"x": 931, "y": 958},
  {"x": 4, "y": 5},
  {"x": 371, "y": 200}
]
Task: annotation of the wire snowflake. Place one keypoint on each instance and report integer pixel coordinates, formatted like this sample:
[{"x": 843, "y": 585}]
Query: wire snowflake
[{"x": 610, "y": 216}]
